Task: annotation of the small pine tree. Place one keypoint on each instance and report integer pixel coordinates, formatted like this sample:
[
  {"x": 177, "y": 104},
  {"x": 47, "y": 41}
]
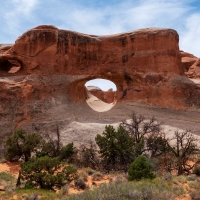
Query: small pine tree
[
  {"x": 140, "y": 168},
  {"x": 116, "y": 148},
  {"x": 67, "y": 151}
]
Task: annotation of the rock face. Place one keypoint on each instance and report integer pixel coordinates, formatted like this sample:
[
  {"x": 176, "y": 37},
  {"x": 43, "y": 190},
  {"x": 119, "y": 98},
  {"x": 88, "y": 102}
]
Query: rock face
[
  {"x": 130, "y": 60},
  {"x": 42, "y": 75},
  {"x": 194, "y": 70},
  {"x": 187, "y": 60},
  {"x": 106, "y": 96}
]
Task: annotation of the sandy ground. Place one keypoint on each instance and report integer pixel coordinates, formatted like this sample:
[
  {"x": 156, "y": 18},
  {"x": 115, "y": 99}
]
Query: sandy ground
[
  {"x": 9, "y": 167},
  {"x": 82, "y": 133}
]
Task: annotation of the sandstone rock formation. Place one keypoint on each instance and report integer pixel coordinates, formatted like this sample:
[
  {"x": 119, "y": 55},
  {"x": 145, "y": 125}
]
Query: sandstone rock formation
[
  {"x": 106, "y": 96},
  {"x": 131, "y": 60},
  {"x": 42, "y": 75},
  {"x": 187, "y": 60},
  {"x": 194, "y": 70}
]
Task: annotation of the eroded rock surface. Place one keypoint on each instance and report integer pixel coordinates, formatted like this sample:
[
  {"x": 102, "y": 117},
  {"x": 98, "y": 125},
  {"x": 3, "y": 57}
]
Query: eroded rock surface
[
  {"x": 194, "y": 70},
  {"x": 187, "y": 60},
  {"x": 54, "y": 65}
]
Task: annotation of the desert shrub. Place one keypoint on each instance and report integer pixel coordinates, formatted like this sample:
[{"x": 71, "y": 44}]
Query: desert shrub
[
  {"x": 180, "y": 179},
  {"x": 195, "y": 194},
  {"x": 4, "y": 176},
  {"x": 116, "y": 148},
  {"x": 46, "y": 172},
  {"x": 33, "y": 196},
  {"x": 193, "y": 184},
  {"x": 140, "y": 168},
  {"x": 181, "y": 149},
  {"x": 87, "y": 156},
  {"x": 167, "y": 176},
  {"x": 7, "y": 181},
  {"x": 192, "y": 177},
  {"x": 118, "y": 180},
  {"x": 37, "y": 193},
  {"x": 22, "y": 145},
  {"x": 53, "y": 147},
  {"x": 197, "y": 170},
  {"x": 140, "y": 190},
  {"x": 64, "y": 189},
  {"x": 84, "y": 175},
  {"x": 97, "y": 176},
  {"x": 80, "y": 183},
  {"x": 142, "y": 129},
  {"x": 156, "y": 144},
  {"x": 67, "y": 152},
  {"x": 89, "y": 171}
]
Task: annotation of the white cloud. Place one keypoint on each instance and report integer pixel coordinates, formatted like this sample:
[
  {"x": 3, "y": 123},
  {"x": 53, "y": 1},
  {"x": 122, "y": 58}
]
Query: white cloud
[
  {"x": 24, "y": 6},
  {"x": 16, "y": 14},
  {"x": 190, "y": 38},
  {"x": 122, "y": 17},
  {"x": 109, "y": 17}
]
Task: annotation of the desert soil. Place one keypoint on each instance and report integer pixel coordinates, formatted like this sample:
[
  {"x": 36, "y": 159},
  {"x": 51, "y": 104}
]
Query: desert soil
[{"x": 85, "y": 127}]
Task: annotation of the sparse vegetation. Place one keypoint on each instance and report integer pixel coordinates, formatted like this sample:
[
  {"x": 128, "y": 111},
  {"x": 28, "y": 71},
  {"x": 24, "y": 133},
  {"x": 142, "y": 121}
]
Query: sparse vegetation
[
  {"x": 88, "y": 157},
  {"x": 137, "y": 146},
  {"x": 141, "y": 129},
  {"x": 139, "y": 190},
  {"x": 180, "y": 150}
]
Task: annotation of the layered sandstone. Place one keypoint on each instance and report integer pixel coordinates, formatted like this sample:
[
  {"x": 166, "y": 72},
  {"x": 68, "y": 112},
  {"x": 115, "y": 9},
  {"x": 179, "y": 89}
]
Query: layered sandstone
[{"x": 131, "y": 60}]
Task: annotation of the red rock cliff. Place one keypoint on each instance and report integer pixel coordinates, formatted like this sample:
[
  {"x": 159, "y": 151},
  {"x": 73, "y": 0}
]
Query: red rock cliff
[{"x": 54, "y": 65}]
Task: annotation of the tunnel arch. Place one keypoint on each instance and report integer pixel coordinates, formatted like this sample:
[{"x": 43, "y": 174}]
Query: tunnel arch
[
  {"x": 101, "y": 94},
  {"x": 79, "y": 92},
  {"x": 10, "y": 65}
]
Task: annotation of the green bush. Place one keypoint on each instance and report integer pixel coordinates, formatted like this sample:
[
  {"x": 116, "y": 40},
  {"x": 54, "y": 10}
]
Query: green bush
[
  {"x": 197, "y": 170},
  {"x": 46, "y": 172},
  {"x": 4, "y": 176},
  {"x": 80, "y": 183},
  {"x": 97, "y": 176},
  {"x": 140, "y": 168},
  {"x": 67, "y": 152}
]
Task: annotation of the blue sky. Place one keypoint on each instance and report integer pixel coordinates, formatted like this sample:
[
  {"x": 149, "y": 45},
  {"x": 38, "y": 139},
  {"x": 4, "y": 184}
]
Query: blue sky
[
  {"x": 103, "y": 17},
  {"x": 102, "y": 83}
]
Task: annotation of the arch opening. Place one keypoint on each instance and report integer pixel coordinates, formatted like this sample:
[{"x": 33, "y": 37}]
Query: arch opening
[
  {"x": 101, "y": 94},
  {"x": 10, "y": 66}
]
